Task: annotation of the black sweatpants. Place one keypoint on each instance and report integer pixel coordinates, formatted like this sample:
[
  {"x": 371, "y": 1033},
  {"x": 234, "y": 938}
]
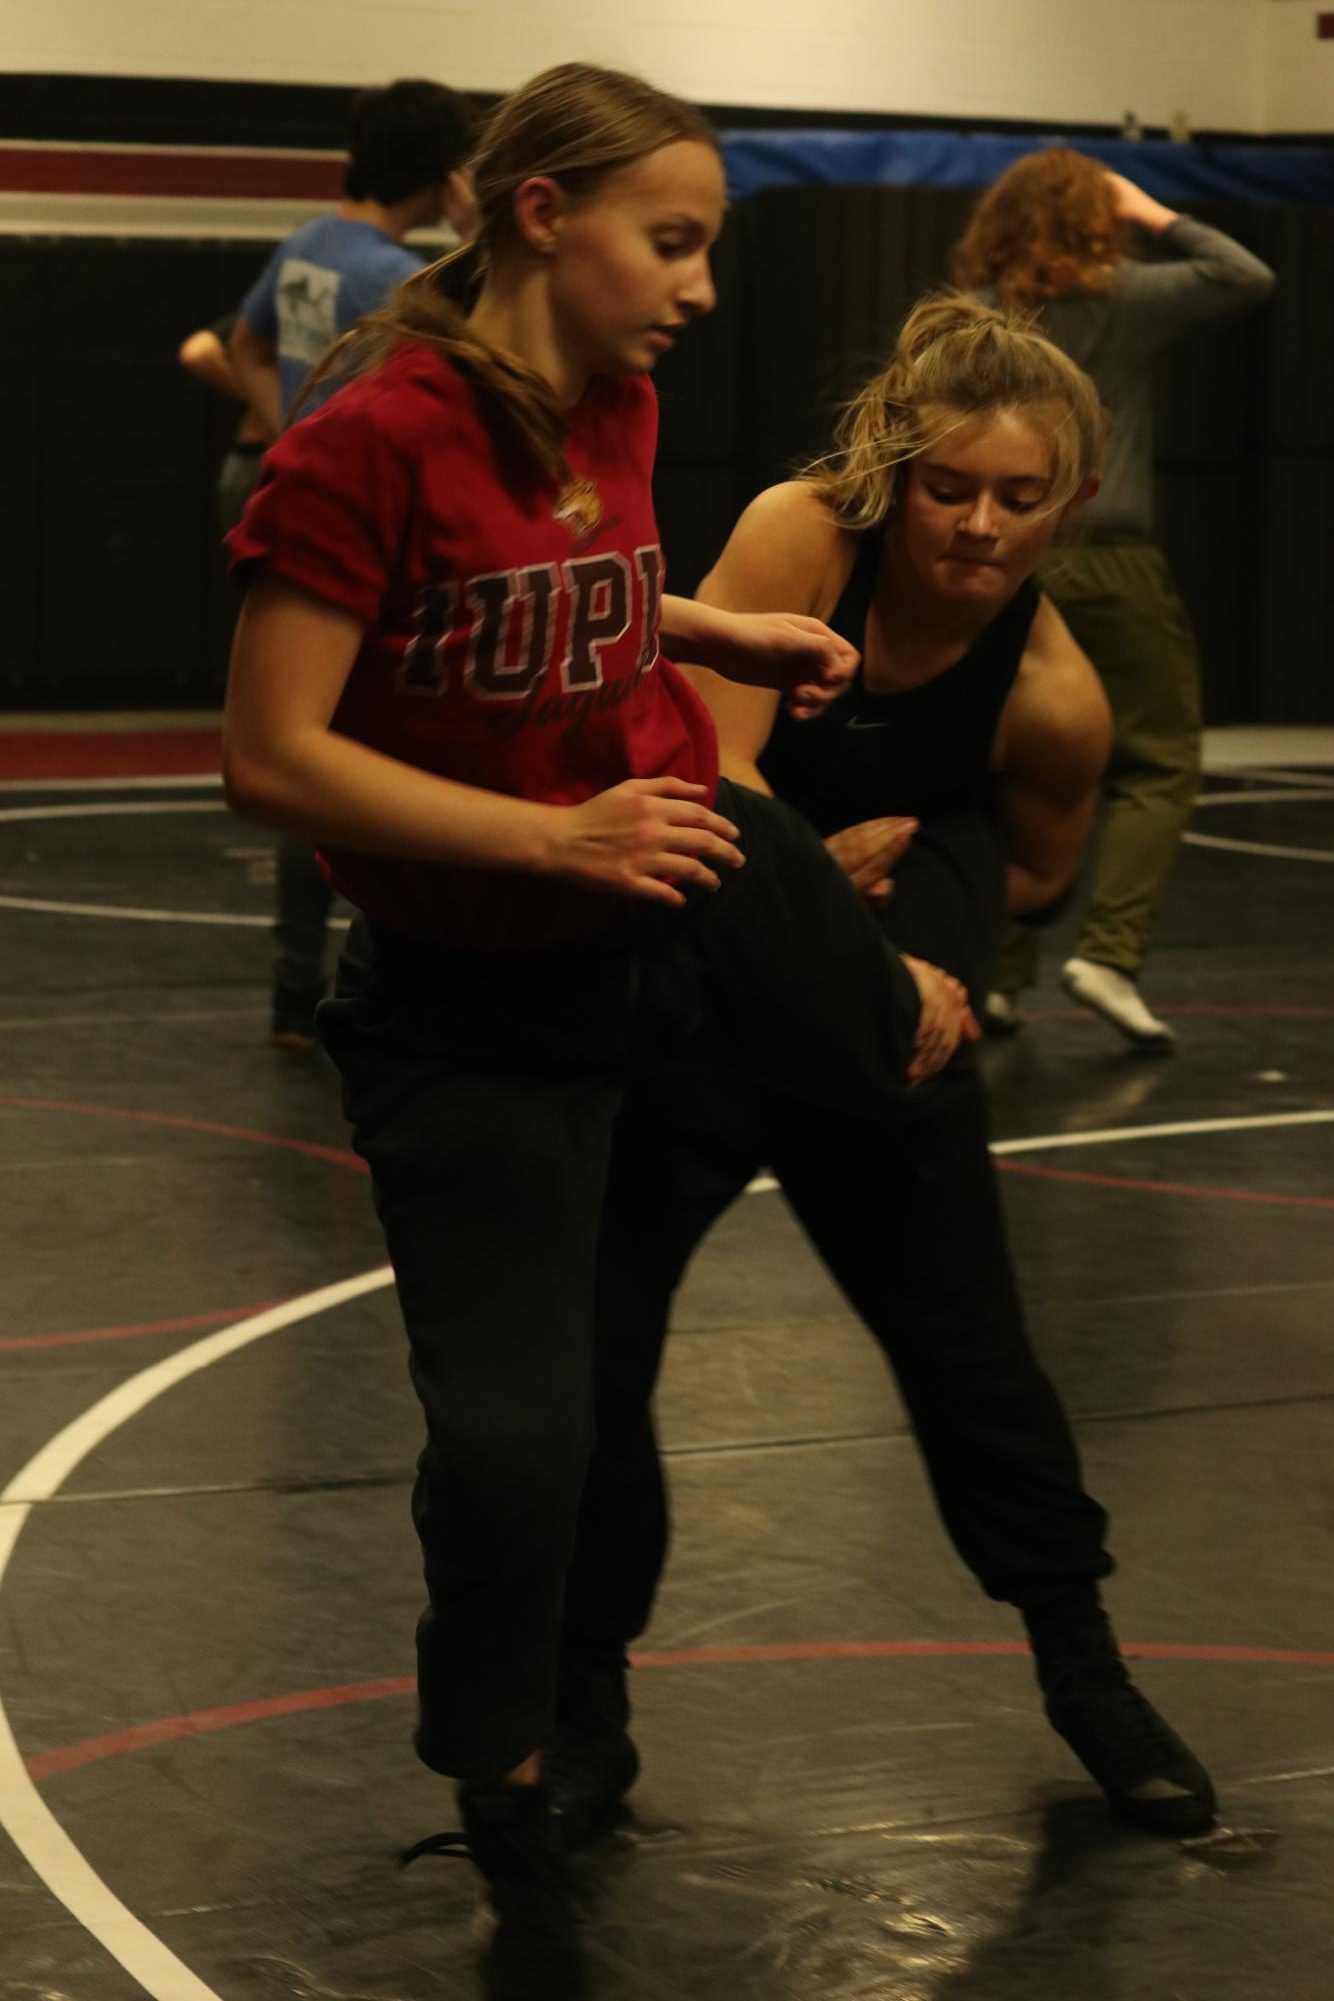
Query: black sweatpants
[
  {"x": 910, "y": 1225},
  {"x": 483, "y": 1091}
]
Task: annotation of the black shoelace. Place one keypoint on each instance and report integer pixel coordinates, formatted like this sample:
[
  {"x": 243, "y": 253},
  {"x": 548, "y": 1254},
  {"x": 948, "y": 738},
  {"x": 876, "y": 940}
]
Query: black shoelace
[{"x": 454, "y": 1843}]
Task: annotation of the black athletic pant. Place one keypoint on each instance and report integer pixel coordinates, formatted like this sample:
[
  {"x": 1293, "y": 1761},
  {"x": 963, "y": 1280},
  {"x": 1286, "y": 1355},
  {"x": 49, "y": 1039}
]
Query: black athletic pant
[
  {"x": 910, "y": 1226},
  {"x": 483, "y": 1090}
]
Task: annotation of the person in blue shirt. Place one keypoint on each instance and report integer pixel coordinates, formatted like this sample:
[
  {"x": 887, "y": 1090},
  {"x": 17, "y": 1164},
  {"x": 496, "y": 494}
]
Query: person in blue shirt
[{"x": 406, "y": 169}]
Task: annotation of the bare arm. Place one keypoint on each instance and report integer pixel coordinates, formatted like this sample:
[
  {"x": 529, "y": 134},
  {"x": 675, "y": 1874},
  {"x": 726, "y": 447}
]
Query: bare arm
[
  {"x": 785, "y": 653},
  {"x": 284, "y": 764},
  {"x": 776, "y": 558},
  {"x": 204, "y": 356},
  {"x": 1053, "y": 744},
  {"x": 254, "y": 362},
  {"x": 787, "y": 551}
]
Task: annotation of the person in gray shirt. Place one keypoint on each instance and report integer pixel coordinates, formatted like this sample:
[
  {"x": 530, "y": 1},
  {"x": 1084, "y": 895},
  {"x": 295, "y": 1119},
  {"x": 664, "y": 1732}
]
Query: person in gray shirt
[{"x": 1053, "y": 234}]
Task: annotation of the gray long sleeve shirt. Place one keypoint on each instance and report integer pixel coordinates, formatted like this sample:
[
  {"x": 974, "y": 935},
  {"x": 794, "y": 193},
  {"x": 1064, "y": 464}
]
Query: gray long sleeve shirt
[{"x": 1115, "y": 336}]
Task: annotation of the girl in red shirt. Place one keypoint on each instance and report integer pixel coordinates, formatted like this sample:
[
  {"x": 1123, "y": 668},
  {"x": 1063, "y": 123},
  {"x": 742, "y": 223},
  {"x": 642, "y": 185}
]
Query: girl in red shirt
[{"x": 447, "y": 673}]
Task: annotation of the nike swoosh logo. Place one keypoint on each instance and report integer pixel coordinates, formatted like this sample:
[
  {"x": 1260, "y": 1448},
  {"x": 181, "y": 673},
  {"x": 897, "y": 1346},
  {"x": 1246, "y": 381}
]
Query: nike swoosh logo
[{"x": 861, "y": 723}]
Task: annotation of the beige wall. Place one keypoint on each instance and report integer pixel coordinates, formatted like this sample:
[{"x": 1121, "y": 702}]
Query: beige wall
[
  {"x": 1071, "y": 60},
  {"x": 1299, "y": 70}
]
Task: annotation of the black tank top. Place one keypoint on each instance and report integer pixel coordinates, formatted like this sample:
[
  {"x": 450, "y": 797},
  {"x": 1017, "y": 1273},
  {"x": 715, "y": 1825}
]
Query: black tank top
[{"x": 925, "y": 753}]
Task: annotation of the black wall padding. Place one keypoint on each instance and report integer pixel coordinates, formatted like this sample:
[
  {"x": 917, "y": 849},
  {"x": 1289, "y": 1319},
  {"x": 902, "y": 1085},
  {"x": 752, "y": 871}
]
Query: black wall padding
[
  {"x": 826, "y": 276},
  {"x": 114, "y": 588},
  {"x": 22, "y": 416},
  {"x": 111, "y": 453},
  {"x": 1296, "y": 644}
]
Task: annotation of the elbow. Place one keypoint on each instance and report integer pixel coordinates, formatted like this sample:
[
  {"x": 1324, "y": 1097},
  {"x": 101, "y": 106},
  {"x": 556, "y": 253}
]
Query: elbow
[
  {"x": 1259, "y": 285},
  {"x": 248, "y": 785}
]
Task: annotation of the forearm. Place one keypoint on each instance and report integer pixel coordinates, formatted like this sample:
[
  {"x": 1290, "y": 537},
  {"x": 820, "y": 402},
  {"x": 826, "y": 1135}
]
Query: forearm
[
  {"x": 1205, "y": 274},
  {"x": 257, "y": 381},
  {"x": 204, "y": 357},
  {"x": 343, "y": 794},
  {"x": 696, "y": 632}
]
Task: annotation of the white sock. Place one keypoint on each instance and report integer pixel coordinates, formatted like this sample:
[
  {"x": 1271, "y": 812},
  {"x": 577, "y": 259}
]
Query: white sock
[{"x": 1116, "y": 998}]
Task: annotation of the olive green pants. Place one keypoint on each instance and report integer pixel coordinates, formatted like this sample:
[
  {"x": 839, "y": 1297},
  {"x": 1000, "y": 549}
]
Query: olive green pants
[{"x": 1120, "y": 602}]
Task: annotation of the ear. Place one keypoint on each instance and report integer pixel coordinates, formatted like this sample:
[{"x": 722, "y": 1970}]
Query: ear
[
  {"x": 540, "y": 205},
  {"x": 1092, "y": 485}
]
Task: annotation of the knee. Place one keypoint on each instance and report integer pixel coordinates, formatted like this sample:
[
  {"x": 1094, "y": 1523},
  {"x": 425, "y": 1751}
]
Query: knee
[{"x": 524, "y": 1470}]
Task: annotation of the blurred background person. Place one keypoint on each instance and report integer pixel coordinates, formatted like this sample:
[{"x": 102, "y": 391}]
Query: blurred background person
[
  {"x": 406, "y": 169},
  {"x": 204, "y": 355},
  {"x": 1053, "y": 235}
]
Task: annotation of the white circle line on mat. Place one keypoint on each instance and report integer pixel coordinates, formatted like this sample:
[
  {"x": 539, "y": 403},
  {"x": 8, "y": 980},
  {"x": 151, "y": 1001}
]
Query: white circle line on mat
[
  {"x": 116, "y": 809},
  {"x": 24, "y": 1814},
  {"x": 1296, "y": 795},
  {"x": 1267, "y": 848},
  {"x": 130, "y": 913},
  {"x": 765, "y": 1184},
  {"x": 199, "y": 781}
]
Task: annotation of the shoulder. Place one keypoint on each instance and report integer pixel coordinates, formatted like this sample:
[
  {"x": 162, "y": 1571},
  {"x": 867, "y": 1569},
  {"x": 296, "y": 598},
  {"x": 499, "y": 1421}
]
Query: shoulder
[
  {"x": 397, "y": 410},
  {"x": 1056, "y": 725},
  {"x": 395, "y": 258},
  {"x": 307, "y": 236},
  {"x": 794, "y": 508},
  {"x": 786, "y": 552}
]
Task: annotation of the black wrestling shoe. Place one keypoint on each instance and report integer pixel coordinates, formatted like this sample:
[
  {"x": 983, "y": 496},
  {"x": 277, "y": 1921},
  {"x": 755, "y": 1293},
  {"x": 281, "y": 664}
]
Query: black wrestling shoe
[
  {"x": 591, "y": 1761},
  {"x": 516, "y": 1840},
  {"x": 1151, "y": 1778}
]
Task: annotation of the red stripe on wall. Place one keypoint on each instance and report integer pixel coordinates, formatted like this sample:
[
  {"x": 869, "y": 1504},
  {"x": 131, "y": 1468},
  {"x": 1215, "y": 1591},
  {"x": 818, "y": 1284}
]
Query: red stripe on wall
[
  {"x": 51, "y": 170},
  {"x": 56, "y": 754}
]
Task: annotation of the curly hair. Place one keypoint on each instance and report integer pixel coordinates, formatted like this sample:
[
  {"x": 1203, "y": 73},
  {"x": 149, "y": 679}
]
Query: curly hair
[
  {"x": 1048, "y": 225},
  {"x": 956, "y": 360}
]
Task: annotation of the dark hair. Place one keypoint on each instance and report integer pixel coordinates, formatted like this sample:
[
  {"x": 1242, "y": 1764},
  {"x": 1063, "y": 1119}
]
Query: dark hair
[
  {"x": 1049, "y": 225},
  {"x": 577, "y": 123},
  {"x": 408, "y": 136}
]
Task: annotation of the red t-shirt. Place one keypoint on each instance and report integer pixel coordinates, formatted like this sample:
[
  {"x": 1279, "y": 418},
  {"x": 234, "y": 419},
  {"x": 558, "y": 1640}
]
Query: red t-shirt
[{"x": 511, "y": 633}]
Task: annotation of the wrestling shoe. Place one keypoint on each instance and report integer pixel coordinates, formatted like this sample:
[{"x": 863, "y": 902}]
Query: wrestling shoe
[
  {"x": 1116, "y": 998},
  {"x": 1151, "y": 1778},
  {"x": 516, "y": 1841},
  {"x": 591, "y": 1761}
]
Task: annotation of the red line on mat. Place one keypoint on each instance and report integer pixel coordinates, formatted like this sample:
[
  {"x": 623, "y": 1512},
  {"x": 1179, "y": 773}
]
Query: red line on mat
[
  {"x": 206, "y": 1722},
  {"x": 183, "y": 1325},
  {"x": 1166, "y": 1187},
  {"x": 338, "y": 1155}
]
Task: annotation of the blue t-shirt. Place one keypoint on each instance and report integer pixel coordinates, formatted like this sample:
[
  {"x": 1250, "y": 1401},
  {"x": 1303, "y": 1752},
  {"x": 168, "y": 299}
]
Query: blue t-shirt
[{"x": 317, "y": 284}]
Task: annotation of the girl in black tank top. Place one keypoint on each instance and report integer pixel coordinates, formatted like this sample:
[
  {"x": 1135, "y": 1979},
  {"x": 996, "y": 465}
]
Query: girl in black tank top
[
  {"x": 924, "y": 753},
  {"x": 921, "y": 752},
  {"x": 966, "y": 451}
]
